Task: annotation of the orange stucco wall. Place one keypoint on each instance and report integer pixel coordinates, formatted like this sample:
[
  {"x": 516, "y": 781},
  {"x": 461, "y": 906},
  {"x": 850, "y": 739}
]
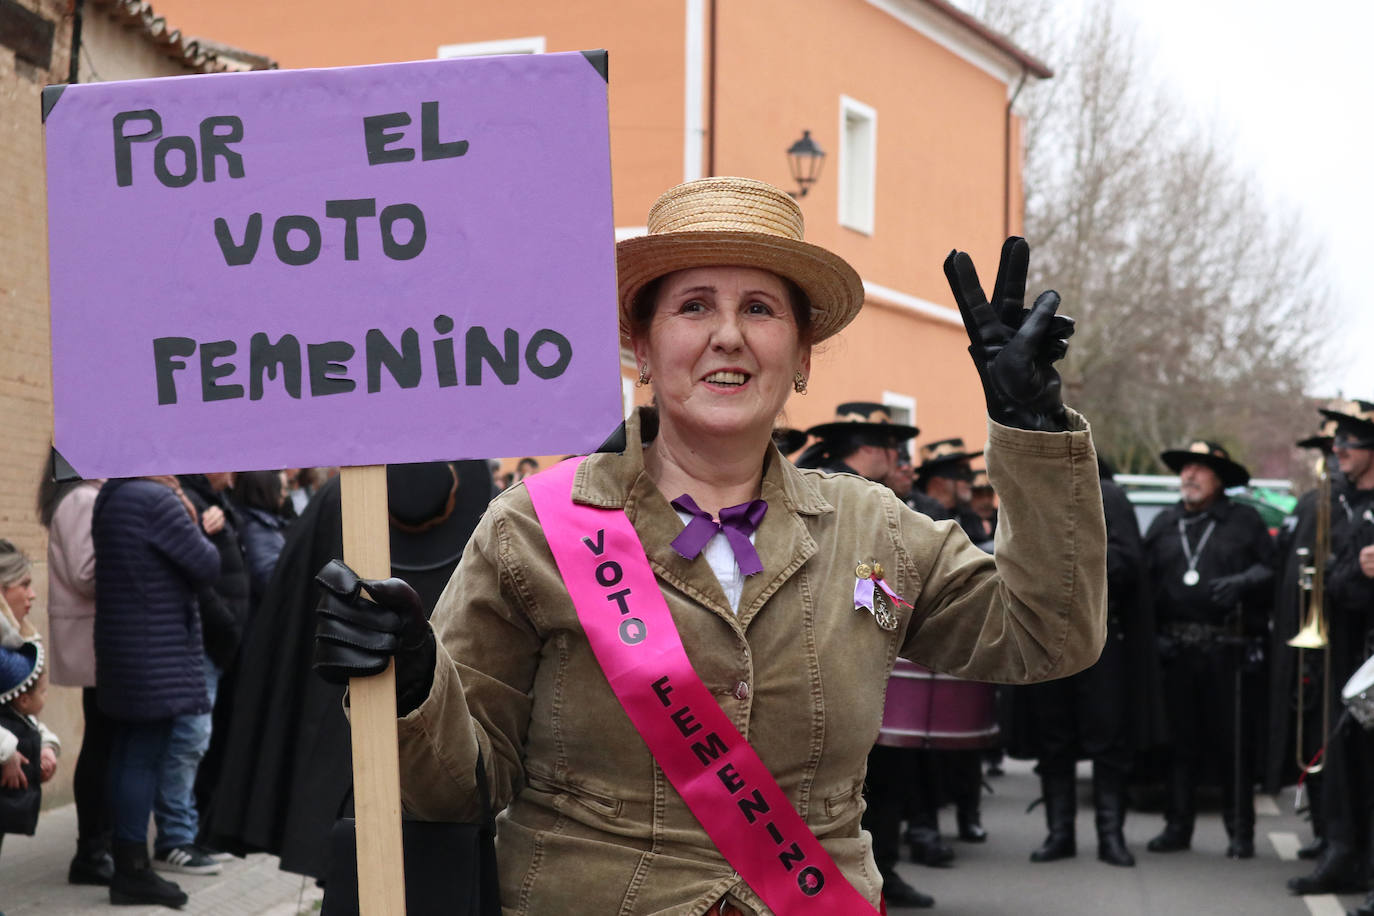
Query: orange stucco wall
[{"x": 940, "y": 135}]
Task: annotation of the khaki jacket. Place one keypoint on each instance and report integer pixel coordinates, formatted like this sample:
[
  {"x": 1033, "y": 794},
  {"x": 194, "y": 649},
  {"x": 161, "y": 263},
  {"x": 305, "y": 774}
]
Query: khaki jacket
[{"x": 590, "y": 824}]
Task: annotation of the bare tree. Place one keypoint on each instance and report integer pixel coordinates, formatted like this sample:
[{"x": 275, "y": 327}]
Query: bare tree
[{"x": 1200, "y": 305}]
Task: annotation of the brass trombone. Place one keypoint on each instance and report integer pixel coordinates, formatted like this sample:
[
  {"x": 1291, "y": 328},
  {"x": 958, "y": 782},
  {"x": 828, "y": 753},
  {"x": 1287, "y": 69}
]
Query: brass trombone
[{"x": 1312, "y": 635}]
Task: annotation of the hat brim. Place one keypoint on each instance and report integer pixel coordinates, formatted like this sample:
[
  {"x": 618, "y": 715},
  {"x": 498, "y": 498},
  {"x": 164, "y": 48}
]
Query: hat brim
[
  {"x": 1322, "y": 442},
  {"x": 934, "y": 464},
  {"x": 833, "y": 287},
  {"x": 1231, "y": 474},
  {"x": 899, "y": 431}
]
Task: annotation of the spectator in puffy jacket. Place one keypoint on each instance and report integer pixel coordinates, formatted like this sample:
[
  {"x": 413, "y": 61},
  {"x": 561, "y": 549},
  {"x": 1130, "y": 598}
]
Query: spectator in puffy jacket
[
  {"x": 150, "y": 560},
  {"x": 65, "y": 510},
  {"x": 260, "y": 497}
]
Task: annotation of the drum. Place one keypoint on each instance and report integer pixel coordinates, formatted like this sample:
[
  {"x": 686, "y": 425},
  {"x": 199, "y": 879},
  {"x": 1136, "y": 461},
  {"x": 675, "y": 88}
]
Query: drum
[
  {"x": 925, "y": 709},
  {"x": 1358, "y": 694}
]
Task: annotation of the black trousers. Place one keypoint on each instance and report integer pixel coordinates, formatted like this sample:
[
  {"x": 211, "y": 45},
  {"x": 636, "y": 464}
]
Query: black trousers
[
  {"x": 1348, "y": 788},
  {"x": 1085, "y": 715},
  {"x": 90, "y": 783},
  {"x": 890, "y": 790},
  {"x": 1200, "y": 698}
]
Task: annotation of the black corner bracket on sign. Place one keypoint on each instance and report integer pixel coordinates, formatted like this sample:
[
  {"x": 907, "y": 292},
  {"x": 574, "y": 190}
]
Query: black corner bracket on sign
[
  {"x": 615, "y": 442},
  {"x": 599, "y": 63},
  {"x": 50, "y": 96},
  {"x": 59, "y": 469}
]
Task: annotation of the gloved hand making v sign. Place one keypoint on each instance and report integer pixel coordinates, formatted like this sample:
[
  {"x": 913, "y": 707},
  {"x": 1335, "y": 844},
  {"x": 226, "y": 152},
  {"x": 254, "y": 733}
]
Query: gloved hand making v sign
[
  {"x": 1013, "y": 348},
  {"x": 357, "y": 635}
]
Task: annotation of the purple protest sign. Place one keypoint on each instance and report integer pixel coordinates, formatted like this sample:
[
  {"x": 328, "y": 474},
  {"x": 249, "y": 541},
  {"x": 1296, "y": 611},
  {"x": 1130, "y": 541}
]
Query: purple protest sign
[{"x": 366, "y": 265}]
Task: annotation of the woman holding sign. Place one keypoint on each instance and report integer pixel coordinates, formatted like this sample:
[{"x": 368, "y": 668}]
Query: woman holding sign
[{"x": 672, "y": 659}]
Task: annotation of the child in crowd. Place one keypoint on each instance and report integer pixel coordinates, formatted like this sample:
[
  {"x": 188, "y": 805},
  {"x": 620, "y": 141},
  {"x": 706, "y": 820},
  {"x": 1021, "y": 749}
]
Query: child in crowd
[{"x": 28, "y": 749}]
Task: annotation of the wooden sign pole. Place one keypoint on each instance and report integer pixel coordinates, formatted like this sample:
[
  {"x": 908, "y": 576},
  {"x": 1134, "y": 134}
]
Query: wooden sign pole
[{"x": 372, "y": 702}]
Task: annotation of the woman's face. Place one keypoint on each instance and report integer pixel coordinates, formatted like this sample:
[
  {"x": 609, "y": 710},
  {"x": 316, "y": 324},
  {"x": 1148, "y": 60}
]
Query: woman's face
[
  {"x": 19, "y": 595},
  {"x": 722, "y": 348}
]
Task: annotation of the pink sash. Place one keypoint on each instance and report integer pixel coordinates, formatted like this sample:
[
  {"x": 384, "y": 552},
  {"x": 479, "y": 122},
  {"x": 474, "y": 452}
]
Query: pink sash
[{"x": 714, "y": 769}]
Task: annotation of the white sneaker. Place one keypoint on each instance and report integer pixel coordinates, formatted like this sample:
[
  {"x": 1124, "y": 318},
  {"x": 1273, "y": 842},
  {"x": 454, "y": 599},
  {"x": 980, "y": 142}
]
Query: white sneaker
[{"x": 186, "y": 859}]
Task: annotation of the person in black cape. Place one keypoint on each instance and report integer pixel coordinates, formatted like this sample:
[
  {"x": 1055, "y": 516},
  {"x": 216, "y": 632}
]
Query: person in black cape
[
  {"x": 288, "y": 765},
  {"x": 1281, "y": 766},
  {"x": 1108, "y": 713}
]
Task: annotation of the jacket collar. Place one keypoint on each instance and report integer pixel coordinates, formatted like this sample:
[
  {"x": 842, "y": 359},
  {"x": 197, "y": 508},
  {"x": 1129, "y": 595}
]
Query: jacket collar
[
  {"x": 608, "y": 480},
  {"x": 784, "y": 542}
]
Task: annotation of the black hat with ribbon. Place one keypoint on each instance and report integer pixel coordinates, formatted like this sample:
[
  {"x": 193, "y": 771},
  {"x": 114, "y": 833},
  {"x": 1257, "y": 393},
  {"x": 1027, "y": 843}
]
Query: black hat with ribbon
[
  {"x": 1354, "y": 422},
  {"x": 863, "y": 418},
  {"x": 856, "y": 423},
  {"x": 1321, "y": 440},
  {"x": 946, "y": 458},
  {"x": 1211, "y": 455}
]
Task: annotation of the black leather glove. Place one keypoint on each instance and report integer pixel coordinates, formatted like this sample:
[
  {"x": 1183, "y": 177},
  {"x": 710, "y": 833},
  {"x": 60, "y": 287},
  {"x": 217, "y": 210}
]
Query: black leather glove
[
  {"x": 1227, "y": 591},
  {"x": 356, "y": 635},
  {"x": 1014, "y": 348}
]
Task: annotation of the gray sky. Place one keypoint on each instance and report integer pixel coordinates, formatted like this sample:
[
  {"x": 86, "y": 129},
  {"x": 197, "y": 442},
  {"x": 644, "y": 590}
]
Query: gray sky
[{"x": 1290, "y": 82}]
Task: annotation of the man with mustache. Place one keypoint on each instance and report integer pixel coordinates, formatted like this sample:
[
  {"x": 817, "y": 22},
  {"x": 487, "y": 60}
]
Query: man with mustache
[{"x": 1213, "y": 562}]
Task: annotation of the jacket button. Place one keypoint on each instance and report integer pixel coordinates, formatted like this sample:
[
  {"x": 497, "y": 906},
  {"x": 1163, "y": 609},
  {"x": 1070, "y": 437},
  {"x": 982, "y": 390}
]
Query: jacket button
[{"x": 741, "y": 691}]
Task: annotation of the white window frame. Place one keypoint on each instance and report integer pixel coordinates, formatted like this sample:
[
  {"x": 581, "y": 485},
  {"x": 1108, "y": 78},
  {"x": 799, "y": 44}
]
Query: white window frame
[
  {"x": 533, "y": 44},
  {"x": 856, "y": 210},
  {"x": 903, "y": 402}
]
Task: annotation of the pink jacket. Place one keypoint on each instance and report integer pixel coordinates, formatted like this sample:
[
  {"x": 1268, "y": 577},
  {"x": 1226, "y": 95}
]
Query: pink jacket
[{"x": 71, "y": 589}]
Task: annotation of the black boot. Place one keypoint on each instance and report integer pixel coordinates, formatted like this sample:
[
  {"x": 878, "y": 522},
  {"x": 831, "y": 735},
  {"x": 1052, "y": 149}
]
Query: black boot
[
  {"x": 136, "y": 883},
  {"x": 92, "y": 863},
  {"x": 971, "y": 824},
  {"x": 1109, "y": 798},
  {"x": 1317, "y": 846},
  {"x": 926, "y": 846},
  {"x": 1061, "y": 805},
  {"x": 1239, "y": 818},
  {"x": 897, "y": 892},
  {"x": 1338, "y": 871},
  {"x": 1179, "y": 815}
]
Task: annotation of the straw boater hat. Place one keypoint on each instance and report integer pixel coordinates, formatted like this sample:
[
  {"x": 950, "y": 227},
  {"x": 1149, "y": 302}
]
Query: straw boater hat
[
  {"x": 1211, "y": 455},
  {"x": 943, "y": 455},
  {"x": 737, "y": 222}
]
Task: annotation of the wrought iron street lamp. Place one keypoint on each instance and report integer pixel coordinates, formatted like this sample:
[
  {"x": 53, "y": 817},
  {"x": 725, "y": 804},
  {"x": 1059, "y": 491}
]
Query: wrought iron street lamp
[{"x": 804, "y": 159}]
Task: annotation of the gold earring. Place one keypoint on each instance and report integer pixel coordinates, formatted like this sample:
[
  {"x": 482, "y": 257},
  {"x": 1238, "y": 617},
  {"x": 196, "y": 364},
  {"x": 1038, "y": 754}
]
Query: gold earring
[
  {"x": 799, "y": 383},
  {"x": 643, "y": 376}
]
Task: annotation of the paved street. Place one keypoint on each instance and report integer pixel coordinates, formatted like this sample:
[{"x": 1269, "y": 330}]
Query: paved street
[
  {"x": 33, "y": 881},
  {"x": 998, "y": 878},
  {"x": 994, "y": 878}
]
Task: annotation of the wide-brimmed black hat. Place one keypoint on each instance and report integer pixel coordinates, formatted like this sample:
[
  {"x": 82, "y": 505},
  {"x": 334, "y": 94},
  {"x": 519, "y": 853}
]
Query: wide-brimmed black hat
[
  {"x": 1213, "y": 456},
  {"x": 787, "y": 439},
  {"x": 1321, "y": 440},
  {"x": 863, "y": 417},
  {"x": 1354, "y": 419},
  {"x": 981, "y": 480},
  {"x": 944, "y": 455},
  {"x": 434, "y": 507}
]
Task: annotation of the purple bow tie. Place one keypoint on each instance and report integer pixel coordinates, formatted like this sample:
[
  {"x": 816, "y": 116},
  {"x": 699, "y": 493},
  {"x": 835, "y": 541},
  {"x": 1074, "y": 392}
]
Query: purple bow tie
[{"x": 738, "y": 522}]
